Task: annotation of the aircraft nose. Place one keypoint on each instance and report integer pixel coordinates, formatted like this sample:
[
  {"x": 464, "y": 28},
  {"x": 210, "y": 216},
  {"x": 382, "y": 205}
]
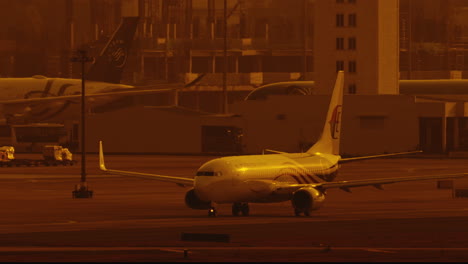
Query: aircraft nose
[{"x": 202, "y": 187}]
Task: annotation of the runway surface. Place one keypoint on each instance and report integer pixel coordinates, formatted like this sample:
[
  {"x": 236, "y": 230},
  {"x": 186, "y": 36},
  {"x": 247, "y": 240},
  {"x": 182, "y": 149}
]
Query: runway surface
[{"x": 133, "y": 219}]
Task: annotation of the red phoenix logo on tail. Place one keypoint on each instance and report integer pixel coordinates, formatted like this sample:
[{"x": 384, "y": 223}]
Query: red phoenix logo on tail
[{"x": 335, "y": 122}]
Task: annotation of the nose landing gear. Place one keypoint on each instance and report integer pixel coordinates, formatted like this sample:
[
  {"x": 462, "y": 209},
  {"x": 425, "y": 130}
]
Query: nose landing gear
[
  {"x": 212, "y": 211},
  {"x": 240, "y": 208}
]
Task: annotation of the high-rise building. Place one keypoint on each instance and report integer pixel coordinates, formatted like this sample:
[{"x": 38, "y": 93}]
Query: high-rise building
[
  {"x": 268, "y": 40},
  {"x": 361, "y": 38}
]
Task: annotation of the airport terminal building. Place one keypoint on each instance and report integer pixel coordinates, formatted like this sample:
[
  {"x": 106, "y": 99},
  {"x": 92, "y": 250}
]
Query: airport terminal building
[{"x": 381, "y": 113}]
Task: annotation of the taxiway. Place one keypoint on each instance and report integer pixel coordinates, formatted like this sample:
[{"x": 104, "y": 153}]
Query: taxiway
[{"x": 133, "y": 219}]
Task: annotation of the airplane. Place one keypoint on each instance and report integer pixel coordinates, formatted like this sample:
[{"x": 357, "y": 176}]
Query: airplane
[
  {"x": 302, "y": 178},
  {"x": 39, "y": 98},
  {"x": 454, "y": 90}
]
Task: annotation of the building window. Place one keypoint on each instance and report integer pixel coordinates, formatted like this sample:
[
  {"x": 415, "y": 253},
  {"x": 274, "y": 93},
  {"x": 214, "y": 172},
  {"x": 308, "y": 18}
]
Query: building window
[
  {"x": 5, "y": 131},
  {"x": 243, "y": 25},
  {"x": 260, "y": 28},
  {"x": 339, "y": 20},
  {"x": 352, "y": 88},
  {"x": 339, "y": 43},
  {"x": 352, "y": 66},
  {"x": 196, "y": 27},
  {"x": 352, "y": 20},
  {"x": 339, "y": 66},
  {"x": 219, "y": 28},
  {"x": 352, "y": 43}
]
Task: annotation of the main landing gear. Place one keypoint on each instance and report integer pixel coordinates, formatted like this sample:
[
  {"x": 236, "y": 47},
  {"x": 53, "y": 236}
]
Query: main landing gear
[
  {"x": 298, "y": 212},
  {"x": 237, "y": 208},
  {"x": 240, "y": 208}
]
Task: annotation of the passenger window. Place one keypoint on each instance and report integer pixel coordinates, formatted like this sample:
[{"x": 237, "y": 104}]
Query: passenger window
[{"x": 205, "y": 173}]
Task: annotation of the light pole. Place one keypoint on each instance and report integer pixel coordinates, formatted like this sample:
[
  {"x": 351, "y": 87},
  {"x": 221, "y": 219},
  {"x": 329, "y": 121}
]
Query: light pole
[
  {"x": 81, "y": 189},
  {"x": 225, "y": 96},
  {"x": 305, "y": 34},
  {"x": 224, "y": 100}
]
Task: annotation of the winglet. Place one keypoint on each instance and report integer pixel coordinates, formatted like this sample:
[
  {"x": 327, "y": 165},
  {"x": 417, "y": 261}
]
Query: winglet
[{"x": 102, "y": 166}]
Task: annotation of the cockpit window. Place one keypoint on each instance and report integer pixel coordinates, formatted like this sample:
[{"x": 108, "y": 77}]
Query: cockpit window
[{"x": 205, "y": 173}]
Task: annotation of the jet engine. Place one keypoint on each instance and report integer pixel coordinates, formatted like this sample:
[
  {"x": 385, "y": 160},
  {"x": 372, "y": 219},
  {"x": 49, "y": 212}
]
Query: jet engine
[
  {"x": 192, "y": 201},
  {"x": 307, "y": 199}
]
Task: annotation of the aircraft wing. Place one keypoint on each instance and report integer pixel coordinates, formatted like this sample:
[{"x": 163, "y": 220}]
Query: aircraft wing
[
  {"x": 345, "y": 160},
  {"x": 377, "y": 183},
  {"x": 178, "y": 180}
]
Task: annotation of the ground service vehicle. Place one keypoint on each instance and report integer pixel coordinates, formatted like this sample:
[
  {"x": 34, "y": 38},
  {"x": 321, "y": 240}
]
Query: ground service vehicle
[{"x": 53, "y": 155}]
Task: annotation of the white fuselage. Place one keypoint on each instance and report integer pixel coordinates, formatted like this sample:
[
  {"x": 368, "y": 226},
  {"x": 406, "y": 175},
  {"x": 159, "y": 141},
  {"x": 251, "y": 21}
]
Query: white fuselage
[
  {"x": 251, "y": 178},
  {"x": 41, "y": 87},
  {"x": 23, "y": 88}
]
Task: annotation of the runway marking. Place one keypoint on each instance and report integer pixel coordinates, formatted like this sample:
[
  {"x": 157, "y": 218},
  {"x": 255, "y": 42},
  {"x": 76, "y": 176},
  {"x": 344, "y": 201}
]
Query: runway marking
[
  {"x": 211, "y": 248},
  {"x": 73, "y": 225},
  {"x": 378, "y": 250}
]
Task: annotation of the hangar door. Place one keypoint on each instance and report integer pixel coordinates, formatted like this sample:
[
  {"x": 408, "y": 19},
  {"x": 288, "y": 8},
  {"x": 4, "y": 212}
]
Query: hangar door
[
  {"x": 223, "y": 139},
  {"x": 430, "y": 134}
]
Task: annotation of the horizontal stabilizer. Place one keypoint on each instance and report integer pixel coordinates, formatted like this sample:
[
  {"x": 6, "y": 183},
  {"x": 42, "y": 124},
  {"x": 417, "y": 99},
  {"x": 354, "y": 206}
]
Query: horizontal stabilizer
[
  {"x": 345, "y": 160},
  {"x": 274, "y": 151}
]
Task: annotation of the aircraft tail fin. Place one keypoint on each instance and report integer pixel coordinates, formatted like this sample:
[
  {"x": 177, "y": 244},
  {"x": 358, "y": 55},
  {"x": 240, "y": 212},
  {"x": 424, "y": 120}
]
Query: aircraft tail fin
[
  {"x": 329, "y": 142},
  {"x": 109, "y": 65}
]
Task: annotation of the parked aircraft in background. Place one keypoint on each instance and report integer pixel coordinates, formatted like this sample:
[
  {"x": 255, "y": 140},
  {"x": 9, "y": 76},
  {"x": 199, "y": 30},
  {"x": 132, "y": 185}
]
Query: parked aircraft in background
[
  {"x": 439, "y": 90},
  {"x": 302, "y": 178},
  {"x": 39, "y": 99}
]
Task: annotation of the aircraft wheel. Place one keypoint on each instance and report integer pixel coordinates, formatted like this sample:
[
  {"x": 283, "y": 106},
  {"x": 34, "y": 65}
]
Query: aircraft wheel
[
  {"x": 212, "y": 212},
  {"x": 297, "y": 212},
  {"x": 245, "y": 209},
  {"x": 236, "y": 209}
]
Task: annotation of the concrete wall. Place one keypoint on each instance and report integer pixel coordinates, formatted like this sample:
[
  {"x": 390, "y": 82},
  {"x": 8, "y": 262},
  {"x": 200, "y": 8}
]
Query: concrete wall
[
  {"x": 379, "y": 124},
  {"x": 143, "y": 130},
  {"x": 282, "y": 123},
  {"x": 371, "y": 125}
]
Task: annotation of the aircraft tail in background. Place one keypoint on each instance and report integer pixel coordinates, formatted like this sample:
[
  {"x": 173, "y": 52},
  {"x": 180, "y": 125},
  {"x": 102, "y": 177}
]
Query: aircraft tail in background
[{"x": 109, "y": 66}]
